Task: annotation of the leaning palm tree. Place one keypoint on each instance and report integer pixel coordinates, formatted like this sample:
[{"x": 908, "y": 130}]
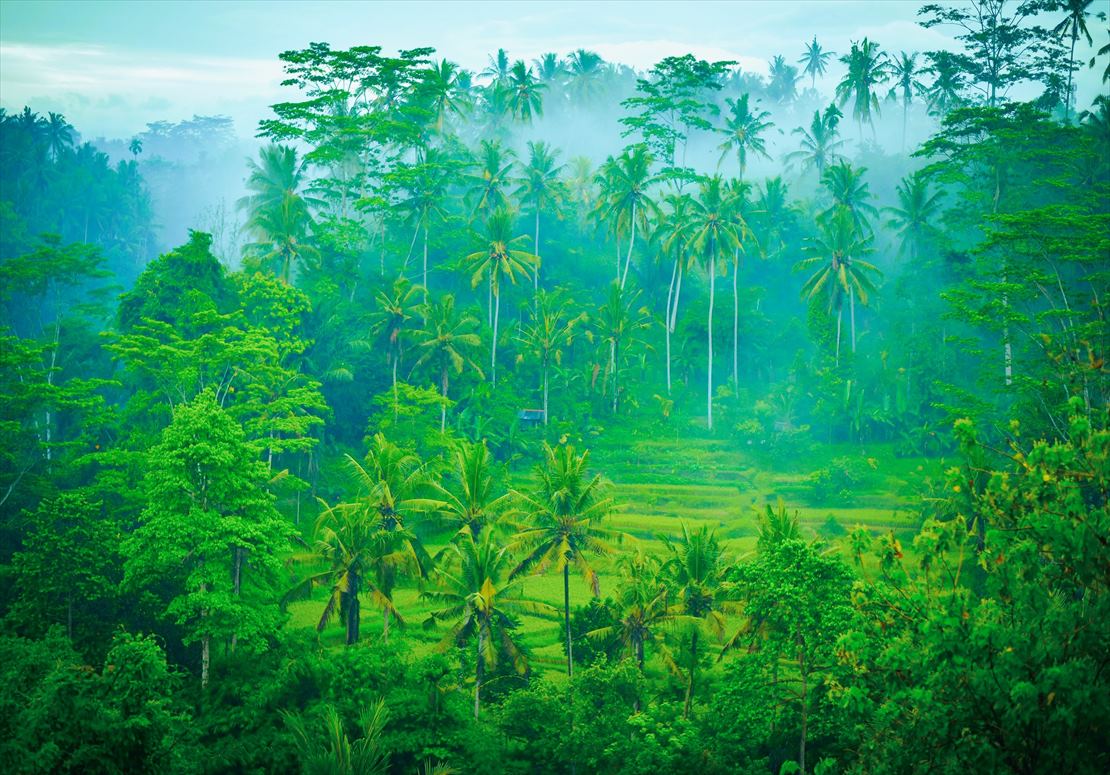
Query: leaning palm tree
[
  {"x": 743, "y": 129},
  {"x": 540, "y": 187},
  {"x": 625, "y": 201},
  {"x": 840, "y": 271},
  {"x": 551, "y": 329},
  {"x": 498, "y": 260},
  {"x": 445, "y": 343},
  {"x": 714, "y": 229},
  {"x": 698, "y": 569},
  {"x": 867, "y": 69},
  {"x": 480, "y": 606},
  {"x": 564, "y": 510},
  {"x": 820, "y": 142},
  {"x": 815, "y": 60},
  {"x": 469, "y": 503}
]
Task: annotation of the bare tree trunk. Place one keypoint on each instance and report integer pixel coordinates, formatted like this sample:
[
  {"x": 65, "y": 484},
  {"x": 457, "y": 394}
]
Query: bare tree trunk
[
  {"x": 566, "y": 618},
  {"x": 205, "y": 660},
  {"x": 667, "y": 322},
  {"x": 443, "y": 406},
  {"x": 536, "y": 274},
  {"x": 709, "y": 326},
  {"x": 425, "y": 263},
  {"x": 545, "y": 393},
  {"x": 693, "y": 668},
  {"x": 631, "y": 243},
  {"x": 852, "y": 314},
  {"x": 613, "y": 361},
  {"x": 736, "y": 323},
  {"x": 496, "y": 316}
]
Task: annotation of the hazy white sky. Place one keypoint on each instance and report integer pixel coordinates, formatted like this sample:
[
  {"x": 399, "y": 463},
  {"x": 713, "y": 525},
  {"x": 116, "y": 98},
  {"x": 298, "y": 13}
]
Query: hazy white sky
[{"x": 113, "y": 66}]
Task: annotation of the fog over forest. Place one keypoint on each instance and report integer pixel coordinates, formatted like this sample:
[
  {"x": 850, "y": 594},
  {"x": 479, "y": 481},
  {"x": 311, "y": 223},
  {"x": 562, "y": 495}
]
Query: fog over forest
[{"x": 551, "y": 387}]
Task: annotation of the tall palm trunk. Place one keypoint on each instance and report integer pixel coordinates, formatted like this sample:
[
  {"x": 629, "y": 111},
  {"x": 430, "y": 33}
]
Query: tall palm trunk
[
  {"x": 536, "y": 273},
  {"x": 545, "y": 368},
  {"x": 667, "y": 322},
  {"x": 693, "y": 670},
  {"x": 631, "y": 242},
  {"x": 839, "y": 315},
  {"x": 736, "y": 323},
  {"x": 805, "y": 717},
  {"x": 443, "y": 405},
  {"x": 566, "y": 618},
  {"x": 425, "y": 262},
  {"x": 613, "y": 361},
  {"x": 1071, "y": 69},
  {"x": 478, "y": 669},
  {"x": 351, "y": 608},
  {"x": 852, "y": 314},
  {"x": 496, "y": 316},
  {"x": 709, "y": 327}
]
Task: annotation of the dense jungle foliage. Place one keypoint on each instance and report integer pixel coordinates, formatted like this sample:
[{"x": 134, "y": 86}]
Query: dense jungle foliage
[{"x": 567, "y": 418}]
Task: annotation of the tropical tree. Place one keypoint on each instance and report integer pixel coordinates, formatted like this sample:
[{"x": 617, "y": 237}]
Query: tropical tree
[
  {"x": 396, "y": 308},
  {"x": 840, "y": 271},
  {"x": 674, "y": 234},
  {"x": 424, "y": 186},
  {"x": 850, "y": 193},
  {"x": 641, "y": 607},
  {"x": 564, "y": 510},
  {"x": 499, "y": 259},
  {"x": 820, "y": 142},
  {"x": 867, "y": 69},
  {"x": 551, "y": 329},
  {"x": 333, "y": 752},
  {"x": 714, "y": 229},
  {"x": 619, "y": 326},
  {"x": 742, "y": 130},
  {"x": 498, "y": 69},
  {"x": 585, "y": 69},
  {"x": 1073, "y": 25},
  {"x": 444, "y": 344},
  {"x": 549, "y": 68},
  {"x": 443, "y": 84},
  {"x": 698, "y": 569},
  {"x": 904, "y": 72},
  {"x": 625, "y": 201},
  {"x": 783, "y": 80},
  {"x": 470, "y": 503},
  {"x": 540, "y": 187},
  {"x": 946, "y": 90},
  {"x": 278, "y": 214},
  {"x": 59, "y": 135},
  {"x": 738, "y": 192},
  {"x": 489, "y": 185},
  {"x": 480, "y": 605},
  {"x": 525, "y": 93},
  {"x": 815, "y": 60},
  {"x": 913, "y": 217}
]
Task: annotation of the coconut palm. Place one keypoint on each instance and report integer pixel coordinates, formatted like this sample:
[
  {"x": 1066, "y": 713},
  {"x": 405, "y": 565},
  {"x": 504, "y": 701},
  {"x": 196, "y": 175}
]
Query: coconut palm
[
  {"x": 499, "y": 260},
  {"x": 470, "y": 503},
  {"x": 840, "y": 271},
  {"x": 551, "y": 329},
  {"x": 714, "y": 230},
  {"x": 498, "y": 68},
  {"x": 391, "y": 321},
  {"x": 775, "y": 216},
  {"x": 815, "y": 60},
  {"x": 444, "y": 88},
  {"x": 904, "y": 72},
  {"x": 480, "y": 606},
  {"x": 540, "y": 187},
  {"x": 867, "y": 69},
  {"x": 624, "y": 201},
  {"x": 584, "y": 69},
  {"x": 444, "y": 345},
  {"x": 783, "y": 80},
  {"x": 333, "y": 753},
  {"x": 490, "y": 183},
  {"x": 742, "y": 130},
  {"x": 913, "y": 217},
  {"x": 525, "y": 93},
  {"x": 59, "y": 135},
  {"x": 564, "y": 510},
  {"x": 945, "y": 92},
  {"x": 619, "y": 326},
  {"x": 674, "y": 233},
  {"x": 697, "y": 567},
  {"x": 424, "y": 185},
  {"x": 820, "y": 142},
  {"x": 1073, "y": 25},
  {"x": 549, "y": 68},
  {"x": 849, "y": 191},
  {"x": 738, "y": 193}
]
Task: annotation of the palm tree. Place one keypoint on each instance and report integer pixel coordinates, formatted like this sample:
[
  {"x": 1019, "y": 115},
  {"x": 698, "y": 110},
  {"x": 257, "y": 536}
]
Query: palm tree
[
  {"x": 775, "y": 213},
  {"x": 849, "y": 192},
  {"x": 1073, "y": 24},
  {"x": 480, "y": 606},
  {"x": 738, "y": 193},
  {"x": 498, "y": 260},
  {"x": 914, "y": 215},
  {"x": 585, "y": 69},
  {"x": 674, "y": 233},
  {"x": 698, "y": 569},
  {"x": 444, "y": 88},
  {"x": 815, "y": 60},
  {"x": 396, "y": 308},
  {"x": 550, "y": 330},
  {"x": 425, "y": 184},
  {"x": 539, "y": 187},
  {"x": 642, "y": 607},
  {"x": 498, "y": 68},
  {"x": 444, "y": 344},
  {"x": 338, "y": 755},
  {"x": 904, "y": 72},
  {"x": 619, "y": 326},
  {"x": 490, "y": 184},
  {"x": 742, "y": 131},
  {"x": 867, "y": 69},
  {"x": 945, "y": 92},
  {"x": 525, "y": 93},
  {"x": 624, "y": 200},
  {"x": 279, "y": 216},
  {"x": 135, "y": 147},
  {"x": 819, "y": 143},
  {"x": 839, "y": 271},
  {"x": 713, "y": 229},
  {"x": 549, "y": 68},
  {"x": 564, "y": 509},
  {"x": 783, "y": 86},
  {"x": 470, "y": 504},
  {"x": 59, "y": 135}
]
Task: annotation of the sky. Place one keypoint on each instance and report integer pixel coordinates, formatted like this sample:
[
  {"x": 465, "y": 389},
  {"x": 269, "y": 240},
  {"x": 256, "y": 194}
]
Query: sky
[{"x": 112, "y": 67}]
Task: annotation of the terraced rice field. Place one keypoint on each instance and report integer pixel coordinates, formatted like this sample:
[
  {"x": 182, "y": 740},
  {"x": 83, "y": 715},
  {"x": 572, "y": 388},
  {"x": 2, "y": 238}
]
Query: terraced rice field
[{"x": 657, "y": 486}]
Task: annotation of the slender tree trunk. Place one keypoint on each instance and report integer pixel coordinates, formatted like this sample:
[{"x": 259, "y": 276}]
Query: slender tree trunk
[
  {"x": 1071, "y": 68},
  {"x": 736, "y": 324},
  {"x": 693, "y": 669},
  {"x": 536, "y": 274},
  {"x": 352, "y": 609},
  {"x": 478, "y": 674},
  {"x": 395, "y": 359},
  {"x": 631, "y": 243},
  {"x": 805, "y": 719},
  {"x": 709, "y": 326},
  {"x": 667, "y": 322},
  {"x": 425, "y": 263},
  {"x": 545, "y": 393},
  {"x": 613, "y": 361},
  {"x": 496, "y": 316},
  {"x": 205, "y": 660},
  {"x": 566, "y": 619},
  {"x": 443, "y": 405},
  {"x": 852, "y": 315},
  {"x": 839, "y": 315},
  {"x": 677, "y": 295},
  {"x": 236, "y": 583},
  {"x": 385, "y": 625}
]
